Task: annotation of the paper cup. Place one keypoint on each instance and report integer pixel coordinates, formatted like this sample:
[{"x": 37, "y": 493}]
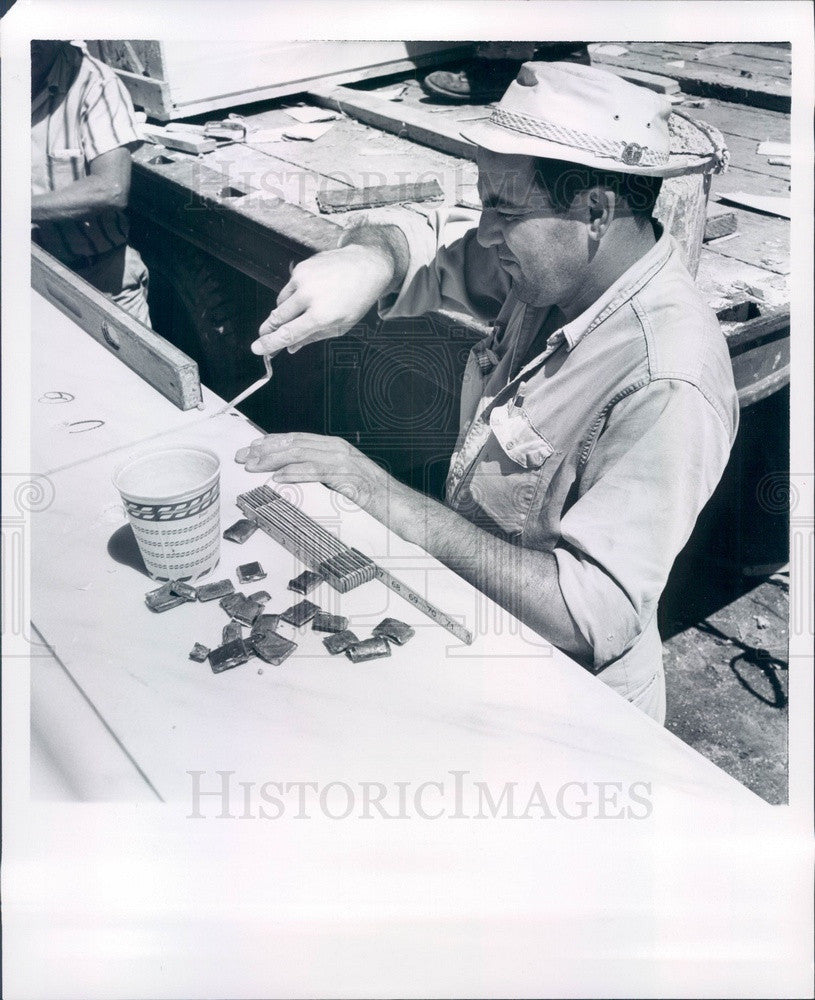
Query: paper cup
[{"x": 172, "y": 498}]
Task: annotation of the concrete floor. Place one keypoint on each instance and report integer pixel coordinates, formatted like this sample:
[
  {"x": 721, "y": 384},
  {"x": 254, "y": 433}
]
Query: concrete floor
[{"x": 727, "y": 687}]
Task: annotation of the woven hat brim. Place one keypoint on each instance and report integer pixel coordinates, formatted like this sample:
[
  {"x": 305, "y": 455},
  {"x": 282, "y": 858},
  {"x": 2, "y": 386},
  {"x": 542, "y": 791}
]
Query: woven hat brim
[{"x": 499, "y": 139}]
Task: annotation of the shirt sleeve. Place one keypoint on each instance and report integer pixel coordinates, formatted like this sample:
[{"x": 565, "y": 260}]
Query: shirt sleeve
[
  {"x": 655, "y": 465},
  {"x": 107, "y": 116},
  {"x": 447, "y": 268}
]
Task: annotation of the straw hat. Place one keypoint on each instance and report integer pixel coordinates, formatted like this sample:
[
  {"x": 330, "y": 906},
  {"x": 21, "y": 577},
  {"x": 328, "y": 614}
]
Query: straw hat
[{"x": 566, "y": 111}]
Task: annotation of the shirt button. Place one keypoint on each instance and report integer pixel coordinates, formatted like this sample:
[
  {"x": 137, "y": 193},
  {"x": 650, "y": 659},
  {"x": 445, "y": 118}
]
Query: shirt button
[{"x": 510, "y": 444}]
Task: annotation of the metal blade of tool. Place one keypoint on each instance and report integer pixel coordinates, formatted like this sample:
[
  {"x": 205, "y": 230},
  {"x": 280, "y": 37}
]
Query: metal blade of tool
[
  {"x": 267, "y": 364},
  {"x": 343, "y": 567}
]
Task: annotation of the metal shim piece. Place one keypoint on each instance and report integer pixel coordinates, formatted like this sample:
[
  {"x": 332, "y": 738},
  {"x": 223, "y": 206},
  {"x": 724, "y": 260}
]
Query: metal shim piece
[
  {"x": 260, "y": 597},
  {"x": 393, "y": 629},
  {"x": 212, "y": 591},
  {"x": 300, "y": 613},
  {"x": 231, "y": 601},
  {"x": 264, "y": 624},
  {"x": 369, "y": 649},
  {"x": 199, "y": 653},
  {"x": 233, "y": 654},
  {"x": 340, "y": 641},
  {"x": 242, "y": 529},
  {"x": 250, "y": 572},
  {"x": 272, "y": 648},
  {"x": 180, "y": 589},
  {"x": 245, "y": 611},
  {"x": 323, "y": 622},
  {"x": 162, "y": 599},
  {"x": 231, "y": 632},
  {"x": 305, "y": 582}
]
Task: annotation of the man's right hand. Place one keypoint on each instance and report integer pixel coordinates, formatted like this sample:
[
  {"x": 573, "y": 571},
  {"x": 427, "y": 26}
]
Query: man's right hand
[{"x": 326, "y": 295}]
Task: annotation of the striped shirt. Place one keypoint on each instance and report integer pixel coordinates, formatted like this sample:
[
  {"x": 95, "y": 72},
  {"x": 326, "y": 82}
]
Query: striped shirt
[{"x": 82, "y": 111}]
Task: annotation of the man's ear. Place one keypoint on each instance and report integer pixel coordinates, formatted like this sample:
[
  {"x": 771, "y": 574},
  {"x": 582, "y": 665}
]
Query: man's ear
[{"x": 602, "y": 204}]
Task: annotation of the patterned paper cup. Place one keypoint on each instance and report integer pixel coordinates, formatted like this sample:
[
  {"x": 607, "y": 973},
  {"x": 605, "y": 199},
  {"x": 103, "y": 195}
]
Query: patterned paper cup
[{"x": 171, "y": 496}]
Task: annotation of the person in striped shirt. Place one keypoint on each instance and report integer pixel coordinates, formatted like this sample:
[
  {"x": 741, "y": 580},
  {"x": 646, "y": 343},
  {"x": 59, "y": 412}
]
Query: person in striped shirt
[{"x": 83, "y": 129}]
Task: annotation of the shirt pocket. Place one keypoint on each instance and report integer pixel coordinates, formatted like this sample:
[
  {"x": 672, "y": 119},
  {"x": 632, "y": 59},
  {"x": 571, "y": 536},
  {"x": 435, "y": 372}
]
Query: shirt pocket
[
  {"x": 502, "y": 487},
  {"x": 522, "y": 442}
]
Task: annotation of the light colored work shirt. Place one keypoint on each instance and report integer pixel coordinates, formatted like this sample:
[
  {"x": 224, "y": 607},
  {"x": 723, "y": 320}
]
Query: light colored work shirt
[
  {"x": 602, "y": 447},
  {"x": 82, "y": 111}
]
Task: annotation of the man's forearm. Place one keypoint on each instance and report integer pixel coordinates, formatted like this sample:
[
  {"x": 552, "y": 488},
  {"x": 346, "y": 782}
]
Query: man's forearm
[
  {"x": 81, "y": 200},
  {"x": 391, "y": 241},
  {"x": 523, "y": 581}
]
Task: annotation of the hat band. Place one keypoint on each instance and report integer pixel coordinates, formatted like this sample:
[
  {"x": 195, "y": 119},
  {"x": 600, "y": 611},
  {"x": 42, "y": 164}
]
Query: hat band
[{"x": 629, "y": 153}]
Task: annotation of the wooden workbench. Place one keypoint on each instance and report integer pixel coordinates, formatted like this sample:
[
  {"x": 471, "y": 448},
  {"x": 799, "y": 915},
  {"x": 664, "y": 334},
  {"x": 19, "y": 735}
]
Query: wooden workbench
[
  {"x": 420, "y": 908},
  {"x": 256, "y": 204}
]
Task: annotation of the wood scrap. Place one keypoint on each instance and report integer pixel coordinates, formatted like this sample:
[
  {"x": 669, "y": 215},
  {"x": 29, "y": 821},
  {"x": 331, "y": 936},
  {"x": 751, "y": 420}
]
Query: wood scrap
[
  {"x": 184, "y": 141},
  {"x": 761, "y": 90},
  {"x": 307, "y": 115},
  {"x": 607, "y": 49},
  {"x": 769, "y": 204},
  {"x": 348, "y": 199},
  {"x": 721, "y": 239},
  {"x": 720, "y": 221},
  {"x": 769, "y": 148}
]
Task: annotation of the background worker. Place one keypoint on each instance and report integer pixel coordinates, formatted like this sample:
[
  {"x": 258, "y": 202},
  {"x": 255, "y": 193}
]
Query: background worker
[
  {"x": 83, "y": 129},
  {"x": 494, "y": 65},
  {"x": 597, "y": 417}
]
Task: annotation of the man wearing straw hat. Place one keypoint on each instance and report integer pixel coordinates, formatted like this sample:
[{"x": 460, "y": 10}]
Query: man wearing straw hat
[{"x": 598, "y": 415}]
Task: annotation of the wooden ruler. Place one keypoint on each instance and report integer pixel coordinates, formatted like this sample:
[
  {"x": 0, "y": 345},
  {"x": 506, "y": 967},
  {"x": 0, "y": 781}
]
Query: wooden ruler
[{"x": 342, "y": 566}]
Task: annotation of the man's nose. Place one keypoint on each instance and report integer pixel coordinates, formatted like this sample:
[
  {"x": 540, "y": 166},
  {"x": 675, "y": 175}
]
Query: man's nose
[{"x": 489, "y": 232}]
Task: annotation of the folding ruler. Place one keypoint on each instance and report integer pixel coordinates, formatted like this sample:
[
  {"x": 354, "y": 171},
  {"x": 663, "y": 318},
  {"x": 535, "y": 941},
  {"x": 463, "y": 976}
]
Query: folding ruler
[{"x": 342, "y": 566}]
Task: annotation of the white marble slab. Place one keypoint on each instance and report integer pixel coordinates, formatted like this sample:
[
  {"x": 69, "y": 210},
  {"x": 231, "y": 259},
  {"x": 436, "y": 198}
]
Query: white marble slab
[{"x": 507, "y": 704}]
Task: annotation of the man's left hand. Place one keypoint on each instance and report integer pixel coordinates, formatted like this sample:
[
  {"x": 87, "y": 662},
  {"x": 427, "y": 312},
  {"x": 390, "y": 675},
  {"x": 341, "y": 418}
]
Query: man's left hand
[{"x": 315, "y": 458}]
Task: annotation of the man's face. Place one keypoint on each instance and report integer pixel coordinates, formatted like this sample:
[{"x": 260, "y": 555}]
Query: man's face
[{"x": 545, "y": 252}]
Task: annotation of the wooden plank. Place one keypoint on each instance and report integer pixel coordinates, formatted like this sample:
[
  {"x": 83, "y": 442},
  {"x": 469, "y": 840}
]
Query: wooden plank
[
  {"x": 763, "y": 92},
  {"x": 719, "y": 222},
  {"x": 760, "y": 353},
  {"x": 743, "y": 155},
  {"x": 412, "y": 123},
  {"x": 197, "y": 85},
  {"x": 721, "y": 56},
  {"x": 771, "y": 324},
  {"x": 653, "y": 81},
  {"x": 726, "y": 283},
  {"x": 346, "y": 199},
  {"x": 736, "y": 179},
  {"x": 140, "y": 56},
  {"x": 763, "y": 242},
  {"x": 768, "y": 204},
  {"x": 139, "y": 348},
  {"x": 351, "y": 154},
  {"x": 198, "y": 70},
  {"x": 153, "y": 96},
  {"x": 773, "y": 51},
  {"x": 743, "y": 120}
]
